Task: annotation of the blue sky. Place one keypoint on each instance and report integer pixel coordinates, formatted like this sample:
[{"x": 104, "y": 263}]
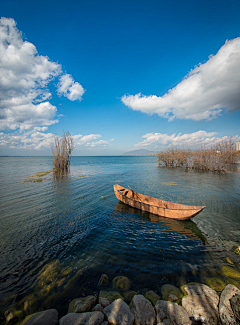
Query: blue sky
[{"x": 118, "y": 75}]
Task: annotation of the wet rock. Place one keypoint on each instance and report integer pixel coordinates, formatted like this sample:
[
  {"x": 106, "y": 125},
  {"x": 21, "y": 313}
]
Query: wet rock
[
  {"x": 13, "y": 315},
  {"x": 228, "y": 260},
  {"x": 98, "y": 307},
  {"x": 171, "y": 313},
  {"x": 110, "y": 295},
  {"x": 46, "y": 317},
  {"x": 121, "y": 283},
  {"x": 91, "y": 318},
  {"x": 103, "y": 280},
  {"x": 201, "y": 303},
  {"x": 171, "y": 293},
  {"x": 152, "y": 296},
  {"x": 230, "y": 272},
  {"x": 216, "y": 284},
  {"x": 128, "y": 295},
  {"x": 83, "y": 304},
  {"x": 225, "y": 310},
  {"x": 118, "y": 313},
  {"x": 143, "y": 311}
]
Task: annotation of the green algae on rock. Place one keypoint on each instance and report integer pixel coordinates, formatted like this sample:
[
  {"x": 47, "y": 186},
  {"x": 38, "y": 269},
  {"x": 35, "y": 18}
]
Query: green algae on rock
[
  {"x": 234, "y": 282},
  {"x": 121, "y": 283},
  {"x": 110, "y": 295},
  {"x": 41, "y": 174},
  {"x": 216, "y": 284},
  {"x": 171, "y": 293},
  {"x": 82, "y": 305},
  {"x": 230, "y": 272},
  {"x": 229, "y": 261},
  {"x": 13, "y": 315},
  {"x": 128, "y": 295},
  {"x": 152, "y": 296}
]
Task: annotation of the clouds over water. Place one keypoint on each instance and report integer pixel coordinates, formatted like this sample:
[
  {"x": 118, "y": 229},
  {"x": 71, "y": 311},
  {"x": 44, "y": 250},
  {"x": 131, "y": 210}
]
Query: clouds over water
[
  {"x": 203, "y": 94},
  {"x": 24, "y": 79},
  {"x": 195, "y": 140}
]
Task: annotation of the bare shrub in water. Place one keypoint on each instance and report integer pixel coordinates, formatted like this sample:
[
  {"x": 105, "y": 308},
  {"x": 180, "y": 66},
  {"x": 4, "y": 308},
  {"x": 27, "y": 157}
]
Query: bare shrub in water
[
  {"x": 216, "y": 158},
  {"x": 61, "y": 152}
]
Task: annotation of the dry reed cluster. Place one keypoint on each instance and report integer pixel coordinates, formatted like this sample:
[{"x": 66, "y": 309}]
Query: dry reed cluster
[
  {"x": 61, "y": 152},
  {"x": 216, "y": 158}
]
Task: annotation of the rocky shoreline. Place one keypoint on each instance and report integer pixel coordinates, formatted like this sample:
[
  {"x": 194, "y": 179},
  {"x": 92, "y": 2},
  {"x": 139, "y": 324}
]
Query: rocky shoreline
[
  {"x": 200, "y": 304},
  {"x": 215, "y": 302}
]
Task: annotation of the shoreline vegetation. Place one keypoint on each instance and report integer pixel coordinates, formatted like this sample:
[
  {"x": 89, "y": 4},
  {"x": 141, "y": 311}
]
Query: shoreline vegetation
[{"x": 216, "y": 159}]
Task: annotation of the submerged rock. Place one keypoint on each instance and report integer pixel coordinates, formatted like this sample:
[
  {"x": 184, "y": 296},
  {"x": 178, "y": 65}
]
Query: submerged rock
[
  {"x": 13, "y": 315},
  {"x": 143, "y": 311},
  {"x": 225, "y": 310},
  {"x": 66, "y": 270},
  {"x": 48, "y": 273},
  {"x": 228, "y": 260},
  {"x": 234, "y": 282},
  {"x": 230, "y": 272},
  {"x": 46, "y": 317},
  {"x": 128, "y": 295},
  {"x": 171, "y": 293},
  {"x": 152, "y": 296},
  {"x": 216, "y": 284},
  {"x": 91, "y": 318},
  {"x": 121, "y": 283},
  {"x": 201, "y": 303},
  {"x": 118, "y": 313},
  {"x": 110, "y": 295},
  {"x": 83, "y": 304},
  {"x": 103, "y": 280},
  {"x": 172, "y": 313}
]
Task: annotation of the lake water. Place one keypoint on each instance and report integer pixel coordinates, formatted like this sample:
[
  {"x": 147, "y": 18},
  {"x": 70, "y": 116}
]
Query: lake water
[{"x": 79, "y": 222}]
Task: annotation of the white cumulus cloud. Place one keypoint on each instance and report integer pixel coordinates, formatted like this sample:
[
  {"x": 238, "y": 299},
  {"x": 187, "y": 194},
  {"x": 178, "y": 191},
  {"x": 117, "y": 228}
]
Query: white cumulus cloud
[
  {"x": 203, "y": 93},
  {"x": 195, "y": 140},
  {"x": 36, "y": 139},
  {"x": 69, "y": 88},
  {"x": 24, "y": 77}
]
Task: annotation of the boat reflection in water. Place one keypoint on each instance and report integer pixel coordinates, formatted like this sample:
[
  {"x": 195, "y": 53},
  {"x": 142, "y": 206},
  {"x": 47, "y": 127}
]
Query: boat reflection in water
[{"x": 188, "y": 227}]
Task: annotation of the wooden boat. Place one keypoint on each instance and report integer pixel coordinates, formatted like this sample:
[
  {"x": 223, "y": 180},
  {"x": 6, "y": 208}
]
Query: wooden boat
[{"x": 155, "y": 206}]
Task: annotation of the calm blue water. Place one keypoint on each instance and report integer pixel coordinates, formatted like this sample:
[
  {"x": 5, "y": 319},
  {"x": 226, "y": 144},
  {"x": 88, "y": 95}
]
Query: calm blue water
[{"x": 78, "y": 221}]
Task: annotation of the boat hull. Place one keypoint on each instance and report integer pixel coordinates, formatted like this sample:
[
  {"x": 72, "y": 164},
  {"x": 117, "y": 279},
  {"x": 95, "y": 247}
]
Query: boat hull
[{"x": 155, "y": 206}]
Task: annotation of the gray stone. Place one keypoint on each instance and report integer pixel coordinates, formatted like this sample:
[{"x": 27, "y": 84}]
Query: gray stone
[
  {"x": 46, "y": 317},
  {"x": 82, "y": 305},
  {"x": 201, "y": 303},
  {"x": 104, "y": 323},
  {"x": 98, "y": 307},
  {"x": 91, "y": 318},
  {"x": 143, "y": 311},
  {"x": 225, "y": 310},
  {"x": 118, "y": 313},
  {"x": 172, "y": 313},
  {"x": 104, "y": 301}
]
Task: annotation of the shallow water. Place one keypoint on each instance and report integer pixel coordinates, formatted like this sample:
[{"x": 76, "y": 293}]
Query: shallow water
[{"x": 78, "y": 221}]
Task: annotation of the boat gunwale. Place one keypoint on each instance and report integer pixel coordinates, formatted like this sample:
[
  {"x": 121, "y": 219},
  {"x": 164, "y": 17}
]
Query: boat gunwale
[{"x": 157, "y": 206}]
